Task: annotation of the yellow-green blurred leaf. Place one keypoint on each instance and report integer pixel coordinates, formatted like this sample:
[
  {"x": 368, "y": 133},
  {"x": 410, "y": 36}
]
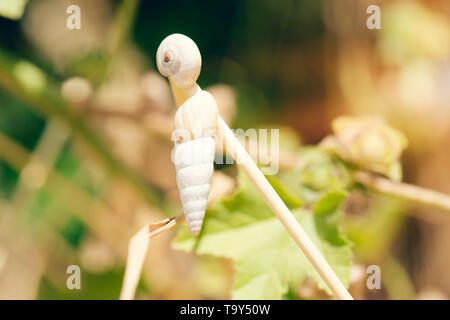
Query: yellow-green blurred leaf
[
  {"x": 12, "y": 9},
  {"x": 266, "y": 258}
]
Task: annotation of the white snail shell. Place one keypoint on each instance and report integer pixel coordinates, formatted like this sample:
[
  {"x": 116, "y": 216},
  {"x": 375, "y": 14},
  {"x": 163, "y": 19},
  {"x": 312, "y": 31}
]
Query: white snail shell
[
  {"x": 196, "y": 117},
  {"x": 179, "y": 59},
  {"x": 194, "y": 174},
  {"x": 193, "y": 155}
]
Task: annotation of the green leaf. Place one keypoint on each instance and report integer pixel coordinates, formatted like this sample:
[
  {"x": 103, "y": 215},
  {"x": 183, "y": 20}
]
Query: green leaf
[
  {"x": 266, "y": 259},
  {"x": 321, "y": 171},
  {"x": 12, "y": 9},
  {"x": 327, "y": 212},
  {"x": 331, "y": 202},
  {"x": 317, "y": 173},
  {"x": 291, "y": 199}
]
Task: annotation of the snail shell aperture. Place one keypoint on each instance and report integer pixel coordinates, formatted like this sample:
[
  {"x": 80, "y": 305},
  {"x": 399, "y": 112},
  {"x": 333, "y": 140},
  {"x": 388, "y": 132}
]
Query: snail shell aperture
[{"x": 179, "y": 59}]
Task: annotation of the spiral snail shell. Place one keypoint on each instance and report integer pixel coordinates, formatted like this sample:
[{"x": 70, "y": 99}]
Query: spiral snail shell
[
  {"x": 195, "y": 122},
  {"x": 179, "y": 59}
]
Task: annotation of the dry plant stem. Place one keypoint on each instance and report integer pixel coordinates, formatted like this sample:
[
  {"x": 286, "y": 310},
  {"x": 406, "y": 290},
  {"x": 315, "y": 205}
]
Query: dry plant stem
[
  {"x": 404, "y": 191},
  {"x": 137, "y": 251},
  {"x": 122, "y": 24},
  {"x": 277, "y": 205}
]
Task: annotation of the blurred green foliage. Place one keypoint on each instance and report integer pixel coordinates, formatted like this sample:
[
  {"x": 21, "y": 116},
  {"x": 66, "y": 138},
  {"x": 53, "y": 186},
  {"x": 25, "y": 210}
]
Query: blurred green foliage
[
  {"x": 278, "y": 57},
  {"x": 266, "y": 259}
]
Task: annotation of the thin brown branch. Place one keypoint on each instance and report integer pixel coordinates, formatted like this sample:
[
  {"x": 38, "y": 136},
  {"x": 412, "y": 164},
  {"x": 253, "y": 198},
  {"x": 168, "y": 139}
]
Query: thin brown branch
[{"x": 404, "y": 191}]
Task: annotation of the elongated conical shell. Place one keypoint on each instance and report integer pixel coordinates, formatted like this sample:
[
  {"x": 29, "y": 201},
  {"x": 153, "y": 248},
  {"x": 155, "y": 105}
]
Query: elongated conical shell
[
  {"x": 194, "y": 162},
  {"x": 196, "y": 118}
]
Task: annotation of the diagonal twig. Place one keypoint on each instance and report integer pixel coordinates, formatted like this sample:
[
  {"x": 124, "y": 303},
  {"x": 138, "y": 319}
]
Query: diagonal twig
[
  {"x": 137, "y": 251},
  {"x": 282, "y": 212},
  {"x": 403, "y": 190}
]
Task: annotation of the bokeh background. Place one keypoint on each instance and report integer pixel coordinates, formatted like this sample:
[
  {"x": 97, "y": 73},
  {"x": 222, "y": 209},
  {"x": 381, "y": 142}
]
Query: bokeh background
[{"x": 85, "y": 123}]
